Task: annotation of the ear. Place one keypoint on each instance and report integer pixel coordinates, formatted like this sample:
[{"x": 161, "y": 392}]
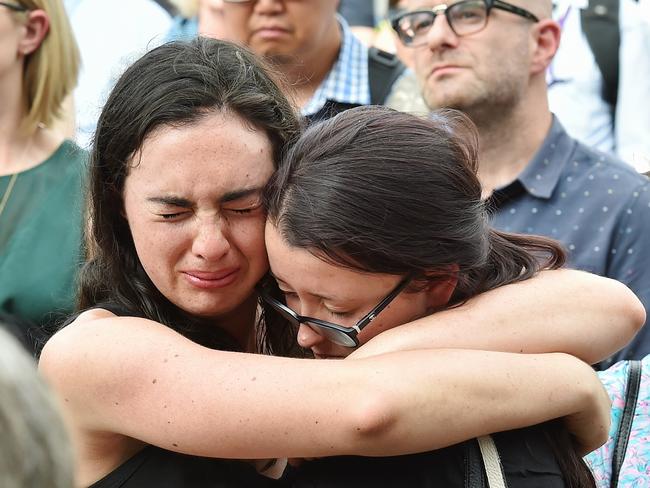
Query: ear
[
  {"x": 36, "y": 27},
  {"x": 546, "y": 40},
  {"x": 440, "y": 290}
]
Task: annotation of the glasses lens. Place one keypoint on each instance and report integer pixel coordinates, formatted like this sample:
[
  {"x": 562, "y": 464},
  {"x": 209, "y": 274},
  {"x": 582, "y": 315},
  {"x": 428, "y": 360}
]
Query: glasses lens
[
  {"x": 467, "y": 17},
  {"x": 336, "y": 336},
  {"x": 413, "y": 28}
]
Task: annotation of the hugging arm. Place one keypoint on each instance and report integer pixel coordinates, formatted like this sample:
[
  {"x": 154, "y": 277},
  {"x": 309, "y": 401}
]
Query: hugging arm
[
  {"x": 137, "y": 378},
  {"x": 568, "y": 311}
]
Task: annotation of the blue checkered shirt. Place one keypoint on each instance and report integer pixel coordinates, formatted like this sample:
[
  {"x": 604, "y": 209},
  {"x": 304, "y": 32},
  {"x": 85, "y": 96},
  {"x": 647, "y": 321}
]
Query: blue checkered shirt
[{"x": 347, "y": 81}]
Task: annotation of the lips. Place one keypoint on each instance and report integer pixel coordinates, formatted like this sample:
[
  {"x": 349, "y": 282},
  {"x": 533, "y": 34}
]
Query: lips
[
  {"x": 211, "y": 279},
  {"x": 270, "y": 31},
  {"x": 442, "y": 69}
]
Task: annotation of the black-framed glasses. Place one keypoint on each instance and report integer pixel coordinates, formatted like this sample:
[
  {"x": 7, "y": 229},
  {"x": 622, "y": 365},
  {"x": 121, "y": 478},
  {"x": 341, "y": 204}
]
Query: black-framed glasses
[
  {"x": 14, "y": 7},
  {"x": 464, "y": 18},
  {"x": 339, "y": 334}
]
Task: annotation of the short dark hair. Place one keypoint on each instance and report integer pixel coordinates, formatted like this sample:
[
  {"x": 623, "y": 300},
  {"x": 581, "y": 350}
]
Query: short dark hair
[
  {"x": 175, "y": 84},
  {"x": 387, "y": 192}
]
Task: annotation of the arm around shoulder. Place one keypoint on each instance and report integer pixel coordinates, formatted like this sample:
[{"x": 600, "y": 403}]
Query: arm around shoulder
[{"x": 569, "y": 311}]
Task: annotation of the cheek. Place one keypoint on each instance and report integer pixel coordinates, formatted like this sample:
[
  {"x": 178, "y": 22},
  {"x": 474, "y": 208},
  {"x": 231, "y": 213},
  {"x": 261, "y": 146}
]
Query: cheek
[
  {"x": 248, "y": 236},
  {"x": 157, "y": 244}
]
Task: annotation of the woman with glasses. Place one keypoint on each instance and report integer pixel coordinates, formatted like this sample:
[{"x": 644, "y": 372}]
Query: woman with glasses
[
  {"x": 156, "y": 374},
  {"x": 355, "y": 256},
  {"x": 40, "y": 171}
]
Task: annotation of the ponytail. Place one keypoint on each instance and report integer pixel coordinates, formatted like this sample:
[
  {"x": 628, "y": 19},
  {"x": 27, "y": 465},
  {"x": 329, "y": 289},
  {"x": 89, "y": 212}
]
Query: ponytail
[{"x": 510, "y": 258}]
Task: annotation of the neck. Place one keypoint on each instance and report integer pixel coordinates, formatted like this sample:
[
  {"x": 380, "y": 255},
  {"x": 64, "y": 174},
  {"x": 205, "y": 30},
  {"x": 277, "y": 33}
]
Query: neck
[
  {"x": 509, "y": 141},
  {"x": 240, "y": 323},
  {"x": 20, "y": 150},
  {"x": 306, "y": 72}
]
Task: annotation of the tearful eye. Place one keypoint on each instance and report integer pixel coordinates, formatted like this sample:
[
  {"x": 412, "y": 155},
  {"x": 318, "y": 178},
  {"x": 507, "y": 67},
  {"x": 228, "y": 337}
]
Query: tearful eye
[{"x": 171, "y": 216}]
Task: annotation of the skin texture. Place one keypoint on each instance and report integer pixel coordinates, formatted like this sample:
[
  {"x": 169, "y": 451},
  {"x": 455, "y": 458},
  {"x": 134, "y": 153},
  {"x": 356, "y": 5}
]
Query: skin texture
[
  {"x": 302, "y": 38},
  {"x": 496, "y": 76},
  {"x": 283, "y": 29},
  {"x": 197, "y": 223},
  {"x": 458, "y": 72},
  {"x": 315, "y": 288}
]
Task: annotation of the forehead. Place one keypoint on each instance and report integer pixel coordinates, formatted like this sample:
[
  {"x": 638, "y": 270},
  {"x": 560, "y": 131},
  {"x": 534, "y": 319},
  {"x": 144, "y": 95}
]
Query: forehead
[
  {"x": 306, "y": 273},
  {"x": 218, "y": 152}
]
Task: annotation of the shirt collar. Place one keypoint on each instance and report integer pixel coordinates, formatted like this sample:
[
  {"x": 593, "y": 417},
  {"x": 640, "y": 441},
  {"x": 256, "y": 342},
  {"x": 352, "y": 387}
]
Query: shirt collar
[
  {"x": 541, "y": 176},
  {"x": 347, "y": 81}
]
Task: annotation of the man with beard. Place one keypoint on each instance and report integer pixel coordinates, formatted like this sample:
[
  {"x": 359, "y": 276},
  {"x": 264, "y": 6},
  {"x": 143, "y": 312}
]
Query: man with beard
[
  {"x": 489, "y": 58},
  {"x": 328, "y": 69}
]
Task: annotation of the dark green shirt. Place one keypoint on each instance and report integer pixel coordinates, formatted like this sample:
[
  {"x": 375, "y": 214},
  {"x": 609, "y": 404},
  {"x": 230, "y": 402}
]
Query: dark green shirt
[{"x": 40, "y": 238}]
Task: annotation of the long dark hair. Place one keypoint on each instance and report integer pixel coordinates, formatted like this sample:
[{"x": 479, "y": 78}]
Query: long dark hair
[
  {"x": 387, "y": 192},
  {"x": 381, "y": 191},
  {"x": 175, "y": 84}
]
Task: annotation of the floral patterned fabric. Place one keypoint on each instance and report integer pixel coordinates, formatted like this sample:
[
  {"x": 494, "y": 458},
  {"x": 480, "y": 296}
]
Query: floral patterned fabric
[{"x": 635, "y": 471}]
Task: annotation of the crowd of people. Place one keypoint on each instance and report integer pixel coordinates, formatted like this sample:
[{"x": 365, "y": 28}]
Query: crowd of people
[{"x": 201, "y": 199}]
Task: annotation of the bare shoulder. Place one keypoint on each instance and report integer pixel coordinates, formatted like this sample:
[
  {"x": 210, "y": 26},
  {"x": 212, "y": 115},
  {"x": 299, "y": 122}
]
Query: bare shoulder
[{"x": 99, "y": 351}]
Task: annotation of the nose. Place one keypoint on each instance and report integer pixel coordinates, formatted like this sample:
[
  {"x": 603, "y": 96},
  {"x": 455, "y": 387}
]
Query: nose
[
  {"x": 440, "y": 34},
  {"x": 308, "y": 337},
  {"x": 211, "y": 241},
  {"x": 268, "y": 7}
]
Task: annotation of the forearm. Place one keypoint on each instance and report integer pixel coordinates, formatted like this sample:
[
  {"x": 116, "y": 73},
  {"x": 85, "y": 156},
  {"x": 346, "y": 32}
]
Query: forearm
[
  {"x": 472, "y": 393},
  {"x": 568, "y": 311},
  {"x": 135, "y": 378}
]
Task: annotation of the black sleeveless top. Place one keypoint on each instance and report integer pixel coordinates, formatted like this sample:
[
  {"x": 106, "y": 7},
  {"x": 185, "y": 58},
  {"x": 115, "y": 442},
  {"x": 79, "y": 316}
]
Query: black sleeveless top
[
  {"x": 526, "y": 455},
  {"x": 157, "y": 468}
]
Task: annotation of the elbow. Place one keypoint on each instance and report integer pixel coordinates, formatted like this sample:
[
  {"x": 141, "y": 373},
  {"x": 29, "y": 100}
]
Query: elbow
[
  {"x": 633, "y": 313},
  {"x": 373, "y": 425}
]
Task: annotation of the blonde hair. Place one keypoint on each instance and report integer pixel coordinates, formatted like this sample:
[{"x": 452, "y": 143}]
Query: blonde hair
[
  {"x": 187, "y": 8},
  {"x": 52, "y": 70}
]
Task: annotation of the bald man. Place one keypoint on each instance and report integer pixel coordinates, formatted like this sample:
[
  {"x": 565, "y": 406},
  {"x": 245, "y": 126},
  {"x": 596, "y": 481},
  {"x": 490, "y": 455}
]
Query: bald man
[{"x": 489, "y": 59}]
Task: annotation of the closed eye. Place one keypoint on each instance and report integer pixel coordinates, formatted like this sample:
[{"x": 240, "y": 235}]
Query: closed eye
[
  {"x": 339, "y": 314},
  {"x": 171, "y": 216},
  {"x": 245, "y": 210}
]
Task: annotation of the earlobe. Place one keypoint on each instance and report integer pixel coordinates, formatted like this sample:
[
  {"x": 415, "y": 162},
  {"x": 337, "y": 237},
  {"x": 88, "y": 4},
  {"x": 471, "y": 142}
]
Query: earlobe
[{"x": 36, "y": 27}]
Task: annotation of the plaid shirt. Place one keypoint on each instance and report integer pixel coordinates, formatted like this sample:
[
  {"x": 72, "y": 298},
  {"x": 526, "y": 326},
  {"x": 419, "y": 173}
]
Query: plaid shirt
[{"x": 347, "y": 81}]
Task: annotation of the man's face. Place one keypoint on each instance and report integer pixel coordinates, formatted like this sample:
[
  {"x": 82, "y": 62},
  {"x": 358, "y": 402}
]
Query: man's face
[
  {"x": 477, "y": 73},
  {"x": 281, "y": 29}
]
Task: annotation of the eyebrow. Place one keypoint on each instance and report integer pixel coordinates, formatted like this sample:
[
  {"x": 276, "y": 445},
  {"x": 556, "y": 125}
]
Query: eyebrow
[{"x": 174, "y": 201}]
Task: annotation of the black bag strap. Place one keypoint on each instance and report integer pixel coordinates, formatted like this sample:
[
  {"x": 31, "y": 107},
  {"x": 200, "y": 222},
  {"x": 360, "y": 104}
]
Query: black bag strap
[
  {"x": 383, "y": 70},
  {"x": 474, "y": 474},
  {"x": 623, "y": 437},
  {"x": 600, "y": 23}
]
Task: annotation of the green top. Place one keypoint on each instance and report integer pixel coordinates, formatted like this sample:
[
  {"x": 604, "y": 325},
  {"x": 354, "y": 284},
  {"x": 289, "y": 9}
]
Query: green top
[{"x": 40, "y": 237}]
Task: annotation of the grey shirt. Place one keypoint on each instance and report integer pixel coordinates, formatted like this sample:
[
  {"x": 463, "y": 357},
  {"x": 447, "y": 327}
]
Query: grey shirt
[{"x": 596, "y": 205}]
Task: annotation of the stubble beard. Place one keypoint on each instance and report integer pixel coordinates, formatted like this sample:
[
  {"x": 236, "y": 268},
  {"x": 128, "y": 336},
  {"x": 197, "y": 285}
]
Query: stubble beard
[{"x": 487, "y": 104}]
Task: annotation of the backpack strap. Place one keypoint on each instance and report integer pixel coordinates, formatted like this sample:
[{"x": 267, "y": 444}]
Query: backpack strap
[
  {"x": 623, "y": 437},
  {"x": 600, "y": 23},
  {"x": 492, "y": 462},
  {"x": 383, "y": 70}
]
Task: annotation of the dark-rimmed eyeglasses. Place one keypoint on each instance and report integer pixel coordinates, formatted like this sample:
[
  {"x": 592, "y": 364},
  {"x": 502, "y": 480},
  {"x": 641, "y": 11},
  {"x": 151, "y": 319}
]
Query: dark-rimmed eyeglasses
[
  {"x": 14, "y": 7},
  {"x": 338, "y": 334},
  {"x": 464, "y": 18}
]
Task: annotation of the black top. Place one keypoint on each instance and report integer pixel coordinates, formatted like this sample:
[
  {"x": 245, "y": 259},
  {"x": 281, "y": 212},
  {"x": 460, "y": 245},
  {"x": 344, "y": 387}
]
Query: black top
[
  {"x": 526, "y": 454},
  {"x": 157, "y": 468}
]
